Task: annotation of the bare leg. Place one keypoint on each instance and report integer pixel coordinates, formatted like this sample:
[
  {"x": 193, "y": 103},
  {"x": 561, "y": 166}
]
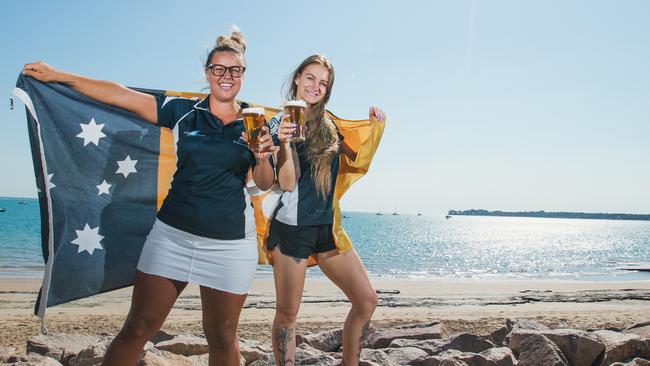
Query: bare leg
[
  {"x": 221, "y": 312},
  {"x": 289, "y": 276},
  {"x": 152, "y": 299},
  {"x": 348, "y": 273}
]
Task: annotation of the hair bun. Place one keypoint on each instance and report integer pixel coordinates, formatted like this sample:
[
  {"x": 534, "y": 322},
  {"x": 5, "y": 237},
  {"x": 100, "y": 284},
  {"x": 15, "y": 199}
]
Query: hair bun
[{"x": 236, "y": 40}]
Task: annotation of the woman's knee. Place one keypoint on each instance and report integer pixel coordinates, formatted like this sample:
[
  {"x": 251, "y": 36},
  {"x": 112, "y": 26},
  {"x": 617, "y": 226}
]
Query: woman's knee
[
  {"x": 221, "y": 339},
  {"x": 140, "y": 327},
  {"x": 287, "y": 313},
  {"x": 365, "y": 303}
]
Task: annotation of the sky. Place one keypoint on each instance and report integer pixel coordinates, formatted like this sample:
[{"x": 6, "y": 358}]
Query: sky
[{"x": 502, "y": 105}]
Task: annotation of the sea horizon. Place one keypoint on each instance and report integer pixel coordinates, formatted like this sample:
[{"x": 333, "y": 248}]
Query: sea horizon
[{"x": 427, "y": 247}]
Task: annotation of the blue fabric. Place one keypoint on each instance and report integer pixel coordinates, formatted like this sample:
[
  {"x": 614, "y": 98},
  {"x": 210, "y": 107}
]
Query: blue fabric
[{"x": 123, "y": 217}]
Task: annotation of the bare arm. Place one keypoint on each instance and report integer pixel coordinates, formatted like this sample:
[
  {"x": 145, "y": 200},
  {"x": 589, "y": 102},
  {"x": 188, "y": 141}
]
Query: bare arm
[
  {"x": 263, "y": 174},
  {"x": 286, "y": 165},
  {"x": 286, "y": 168},
  {"x": 108, "y": 92}
]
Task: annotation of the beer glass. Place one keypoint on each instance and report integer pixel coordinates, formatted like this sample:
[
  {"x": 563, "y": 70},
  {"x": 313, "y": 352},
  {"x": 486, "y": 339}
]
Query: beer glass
[
  {"x": 253, "y": 122},
  {"x": 297, "y": 111}
]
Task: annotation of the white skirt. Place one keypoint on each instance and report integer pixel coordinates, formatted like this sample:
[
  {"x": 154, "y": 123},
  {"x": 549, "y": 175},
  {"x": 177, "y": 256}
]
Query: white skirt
[{"x": 226, "y": 265}]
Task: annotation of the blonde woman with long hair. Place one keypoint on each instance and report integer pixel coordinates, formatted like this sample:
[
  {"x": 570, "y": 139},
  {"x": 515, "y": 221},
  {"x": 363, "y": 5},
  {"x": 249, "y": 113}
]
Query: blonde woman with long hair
[{"x": 302, "y": 225}]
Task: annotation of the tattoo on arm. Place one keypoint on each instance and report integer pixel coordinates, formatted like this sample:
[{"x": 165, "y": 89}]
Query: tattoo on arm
[
  {"x": 298, "y": 260},
  {"x": 282, "y": 337}
]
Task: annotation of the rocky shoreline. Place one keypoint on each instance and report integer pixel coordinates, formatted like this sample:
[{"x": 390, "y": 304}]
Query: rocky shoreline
[{"x": 519, "y": 341}]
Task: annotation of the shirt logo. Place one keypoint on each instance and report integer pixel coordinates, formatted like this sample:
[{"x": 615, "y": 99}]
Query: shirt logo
[
  {"x": 195, "y": 133},
  {"x": 240, "y": 141},
  {"x": 273, "y": 126}
]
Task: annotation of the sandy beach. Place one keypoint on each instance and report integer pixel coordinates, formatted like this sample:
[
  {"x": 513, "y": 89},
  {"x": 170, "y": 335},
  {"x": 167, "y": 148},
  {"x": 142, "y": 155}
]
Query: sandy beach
[{"x": 476, "y": 306}]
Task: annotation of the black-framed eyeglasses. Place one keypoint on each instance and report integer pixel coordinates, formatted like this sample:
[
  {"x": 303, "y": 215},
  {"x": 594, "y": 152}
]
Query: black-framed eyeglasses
[{"x": 220, "y": 70}]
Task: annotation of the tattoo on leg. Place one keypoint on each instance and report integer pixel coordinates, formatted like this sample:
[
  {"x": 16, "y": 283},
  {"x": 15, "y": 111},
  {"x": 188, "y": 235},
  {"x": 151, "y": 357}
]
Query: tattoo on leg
[
  {"x": 297, "y": 259},
  {"x": 364, "y": 335},
  {"x": 282, "y": 338}
]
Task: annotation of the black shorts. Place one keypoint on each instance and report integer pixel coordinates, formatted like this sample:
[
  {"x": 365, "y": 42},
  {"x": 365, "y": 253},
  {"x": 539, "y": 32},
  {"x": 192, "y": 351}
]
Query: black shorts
[{"x": 300, "y": 241}]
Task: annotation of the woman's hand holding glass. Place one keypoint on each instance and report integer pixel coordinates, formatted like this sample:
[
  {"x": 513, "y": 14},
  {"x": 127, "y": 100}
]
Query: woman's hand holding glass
[{"x": 285, "y": 130}]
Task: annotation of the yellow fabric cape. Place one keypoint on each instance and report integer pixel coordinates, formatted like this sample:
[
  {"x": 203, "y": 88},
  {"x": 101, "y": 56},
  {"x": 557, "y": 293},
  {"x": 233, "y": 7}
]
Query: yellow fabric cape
[{"x": 362, "y": 136}]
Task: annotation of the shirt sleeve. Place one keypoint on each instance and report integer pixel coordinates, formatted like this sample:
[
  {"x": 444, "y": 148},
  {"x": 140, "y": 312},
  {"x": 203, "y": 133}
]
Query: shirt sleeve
[
  {"x": 171, "y": 110},
  {"x": 274, "y": 125}
]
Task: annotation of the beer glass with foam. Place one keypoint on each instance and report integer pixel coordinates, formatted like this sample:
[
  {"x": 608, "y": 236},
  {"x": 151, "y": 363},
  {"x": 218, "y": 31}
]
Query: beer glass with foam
[
  {"x": 253, "y": 122},
  {"x": 297, "y": 111}
]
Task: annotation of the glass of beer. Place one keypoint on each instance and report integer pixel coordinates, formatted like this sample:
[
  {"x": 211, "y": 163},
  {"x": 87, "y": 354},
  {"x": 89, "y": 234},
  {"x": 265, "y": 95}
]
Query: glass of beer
[
  {"x": 253, "y": 122},
  {"x": 297, "y": 111}
]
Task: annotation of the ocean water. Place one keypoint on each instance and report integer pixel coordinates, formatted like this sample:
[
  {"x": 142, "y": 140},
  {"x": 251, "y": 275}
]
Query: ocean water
[{"x": 426, "y": 247}]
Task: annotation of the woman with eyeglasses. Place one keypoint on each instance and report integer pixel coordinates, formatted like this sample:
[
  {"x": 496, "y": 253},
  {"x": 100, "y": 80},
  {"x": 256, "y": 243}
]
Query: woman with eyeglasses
[
  {"x": 302, "y": 225},
  {"x": 205, "y": 231}
]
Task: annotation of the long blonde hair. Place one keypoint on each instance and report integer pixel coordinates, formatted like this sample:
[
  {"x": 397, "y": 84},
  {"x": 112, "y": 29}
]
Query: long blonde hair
[{"x": 321, "y": 137}]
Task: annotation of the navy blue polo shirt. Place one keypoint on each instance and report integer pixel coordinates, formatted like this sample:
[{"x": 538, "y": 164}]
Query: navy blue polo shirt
[
  {"x": 207, "y": 196},
  {"x": 304, "y": 205}
]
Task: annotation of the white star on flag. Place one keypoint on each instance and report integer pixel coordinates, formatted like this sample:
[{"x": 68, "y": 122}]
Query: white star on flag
[
  {"x": 88, "y": 239},
  {"x": 91, "y": 132},
  {"x": 127, "y": 166},
  {"x": 49, "y": 183},
  {"x": 103, "y": 188}
]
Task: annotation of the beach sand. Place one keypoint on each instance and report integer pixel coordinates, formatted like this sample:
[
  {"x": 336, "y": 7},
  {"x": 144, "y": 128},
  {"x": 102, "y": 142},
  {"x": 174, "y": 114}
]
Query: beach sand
[{"x": 476, "y": 306}]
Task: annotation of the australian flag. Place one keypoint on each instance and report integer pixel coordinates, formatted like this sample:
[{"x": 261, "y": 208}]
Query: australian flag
[{"x": 101, "y": 174}]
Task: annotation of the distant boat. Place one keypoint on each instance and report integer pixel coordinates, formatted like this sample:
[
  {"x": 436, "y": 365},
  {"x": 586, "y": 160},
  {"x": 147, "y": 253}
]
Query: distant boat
[
  {"x": 447, "y": 217},
  {"x": 419, "y": 214},
  {"x": 395, "y": 214},
  {"x": 379, "y": 214},
  {"x": 345, "y": 217}
]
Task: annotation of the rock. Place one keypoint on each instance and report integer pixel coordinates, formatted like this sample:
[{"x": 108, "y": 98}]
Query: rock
[
  {"x": 265, "y": 360},
  {"x": 204, "y": 360},
  {"x": 160, "y": 336},
  {"x": 186, "y": 345},
  {"x": 463, "y": 342},
  {"x": 467, "y": 342},
  {"x": 252, "y": 350},
  {"x": 378, "y": 357},
  {"x": 635, "y": 362},
  {"x": 642, "y": 329},
  {"x": 362, "y": 363},
  {"x": 405, "y": 355},
  {"x": 92, "y": 355},
  {"x": 448, "y": 360},
  {"x": 6, "y": 352},
  {"x": 468, "y": 358},
  {"x": 430, "y": 346},
  {"x": 400, "y": 342},
  {"x": 156, "y": 357},
  {"x": 328, "y": 341},
  {"x": 498, "y": 336},
  {"x": 33, "y": 359},
  {"x": 537, "y": 350},
  {"x": 307, "y": 355},
  {"x": 383, "y": 338},
  {"x": 579, "y": 347},
  {"x": 620, "y": 347},
  {"x": 521, "y": 323},
  {"x": 61, "y": 346},
  {"x": 501, "y": 356}
]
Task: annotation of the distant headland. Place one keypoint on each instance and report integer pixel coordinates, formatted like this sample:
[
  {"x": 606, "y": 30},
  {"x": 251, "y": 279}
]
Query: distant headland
[{"x": 559, "y": 215}]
